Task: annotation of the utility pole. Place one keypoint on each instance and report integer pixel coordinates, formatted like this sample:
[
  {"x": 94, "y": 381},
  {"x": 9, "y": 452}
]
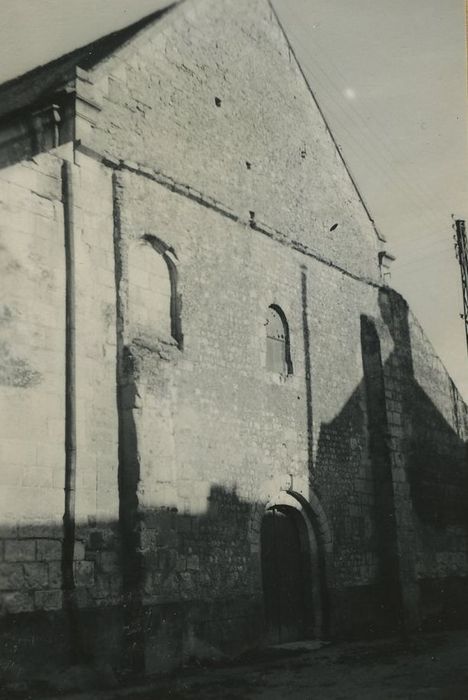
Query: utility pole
[{"x": 461, "y": 251}]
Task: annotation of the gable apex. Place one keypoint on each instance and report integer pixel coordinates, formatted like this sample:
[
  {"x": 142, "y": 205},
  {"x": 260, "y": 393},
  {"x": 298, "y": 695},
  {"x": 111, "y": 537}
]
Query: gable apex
[
  {"x": 378, "y": 233},
  {"x": 39, "y": 87}
]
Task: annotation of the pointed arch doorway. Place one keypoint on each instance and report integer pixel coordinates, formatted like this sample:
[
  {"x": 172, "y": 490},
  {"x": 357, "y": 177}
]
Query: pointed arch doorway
[{"x": 290, "y": 573}]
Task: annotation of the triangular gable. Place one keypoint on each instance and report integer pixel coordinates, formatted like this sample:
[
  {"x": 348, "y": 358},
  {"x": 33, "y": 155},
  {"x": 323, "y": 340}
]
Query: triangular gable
[
  {"x": 108, "y": 56},
  {"x": 215, "y": 99}
]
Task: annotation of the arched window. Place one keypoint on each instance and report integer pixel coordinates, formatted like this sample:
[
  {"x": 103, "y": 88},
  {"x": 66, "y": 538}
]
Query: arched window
[
  {"x": 154, "y": 301},
  {"x": 278, "y": 354}
]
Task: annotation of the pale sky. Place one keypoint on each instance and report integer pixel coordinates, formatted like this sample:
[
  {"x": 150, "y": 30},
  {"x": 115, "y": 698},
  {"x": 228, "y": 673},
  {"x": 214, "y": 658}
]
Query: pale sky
[{"x": 390, "y": 76}]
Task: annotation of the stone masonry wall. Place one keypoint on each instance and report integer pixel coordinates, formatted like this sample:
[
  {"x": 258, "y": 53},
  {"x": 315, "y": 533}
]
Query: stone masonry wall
[
  {"x": 187, "y": 111},
  {"x": 97, "y": 503},
  {"x": 32, "y": 379},
  {"x": 428, "y": 431},
  {"x": 222, "y": 108},
  {"x": 208, "y": 151},
  {"x": 214, "y": 429},
  {"x": 32, "y": 467},
  {"x": 217, "y": 435}
]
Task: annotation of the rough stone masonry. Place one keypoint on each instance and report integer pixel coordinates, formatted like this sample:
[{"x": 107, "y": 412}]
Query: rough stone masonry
[{"x": 220, "y": 428}]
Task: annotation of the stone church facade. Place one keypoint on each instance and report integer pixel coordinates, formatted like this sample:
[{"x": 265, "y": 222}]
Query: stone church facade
[{"x": 221, "y": 428}]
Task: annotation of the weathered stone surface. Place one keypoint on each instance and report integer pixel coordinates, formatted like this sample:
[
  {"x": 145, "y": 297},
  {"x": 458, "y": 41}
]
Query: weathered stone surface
[
  {"x": 55, "y": 574},
  {"x": 183, "y": 430},
  {"x": 48, "y": 600},
  {"x": 32, "y": 331},
  {"x": 20, "y": 550},
  {"x": 49, "y": 550},
  {"x": 84, "y": 573},
  {"x": 11, "y": 577},
  {"x": 16, "y": 602},
  {"x": 36, "y": 575}
]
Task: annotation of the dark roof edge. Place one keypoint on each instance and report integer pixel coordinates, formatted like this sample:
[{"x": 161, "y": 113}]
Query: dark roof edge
[{"x": 85, "y": 56}]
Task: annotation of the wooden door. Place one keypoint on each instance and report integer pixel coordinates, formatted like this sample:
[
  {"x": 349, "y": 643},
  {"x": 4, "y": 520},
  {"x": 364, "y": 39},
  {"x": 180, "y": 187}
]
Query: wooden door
[{"x": 283, "y": 572}]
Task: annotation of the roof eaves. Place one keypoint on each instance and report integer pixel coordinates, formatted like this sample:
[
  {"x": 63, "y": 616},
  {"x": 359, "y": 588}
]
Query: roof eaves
[{"x": 32, "y": 87}]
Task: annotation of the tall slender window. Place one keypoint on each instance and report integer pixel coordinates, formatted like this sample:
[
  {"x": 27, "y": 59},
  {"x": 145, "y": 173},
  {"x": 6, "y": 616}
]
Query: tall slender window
[{"x": 278, "y": 353}]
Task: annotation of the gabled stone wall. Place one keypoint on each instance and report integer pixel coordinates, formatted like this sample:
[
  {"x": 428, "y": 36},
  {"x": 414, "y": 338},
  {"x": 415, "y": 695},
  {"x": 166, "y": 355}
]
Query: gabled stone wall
[{"x": 229, "y": 186}]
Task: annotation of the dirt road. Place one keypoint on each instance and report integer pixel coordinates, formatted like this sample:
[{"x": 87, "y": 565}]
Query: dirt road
[{"x": 431, "y": 666}]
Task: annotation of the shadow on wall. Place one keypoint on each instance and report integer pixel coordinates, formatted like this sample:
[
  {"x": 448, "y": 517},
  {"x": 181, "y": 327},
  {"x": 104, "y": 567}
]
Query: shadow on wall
[
  {"x": 403, "y": 514},
  {"x": 436, "y": 451},
  {"x": 196, "y": 592},
  {"x": 206, "y": 587},
  {"x": 161, "y": 587}
]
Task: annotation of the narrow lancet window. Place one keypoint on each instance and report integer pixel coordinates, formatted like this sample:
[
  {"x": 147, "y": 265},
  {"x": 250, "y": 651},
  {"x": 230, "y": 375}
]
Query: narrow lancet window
[{"x": 278, "y": 353}]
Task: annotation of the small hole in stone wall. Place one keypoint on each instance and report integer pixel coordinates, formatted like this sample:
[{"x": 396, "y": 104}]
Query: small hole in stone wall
[
  {"x": 303, "y": 153},
  {"x": 249, "y": 165},
  {"x": 332, "y": 228},
  {"x": 217, "y": 102}
]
